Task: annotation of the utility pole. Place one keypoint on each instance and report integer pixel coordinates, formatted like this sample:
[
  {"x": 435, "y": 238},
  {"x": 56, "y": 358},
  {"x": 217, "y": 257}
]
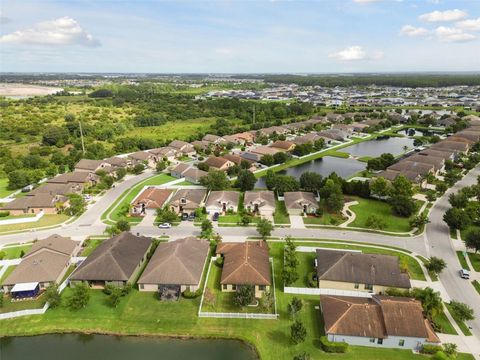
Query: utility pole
[
  {"x": 81, "y": 136},
  {"x": 253, "y": 113}
]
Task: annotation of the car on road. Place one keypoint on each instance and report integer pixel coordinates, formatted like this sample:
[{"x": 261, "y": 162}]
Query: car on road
[
  {"x": 215, "y": 216},
  {"x": 464, "y": 274},
  {"x": 165, "y": 226}
]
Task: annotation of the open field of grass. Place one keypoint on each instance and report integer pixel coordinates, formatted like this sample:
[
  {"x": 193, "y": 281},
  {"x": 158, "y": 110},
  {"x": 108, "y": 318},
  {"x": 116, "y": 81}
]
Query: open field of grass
[
  {"x": 475, "y": 260},
  {"x": 380, "y": 209},
  {"x": 116, "y": 209},
  {"x": 46, "y": 220},
  {"x": 462, "y": 260},
  {"x": 142, "y": 313},
  {"x": 14, "y": 252}
]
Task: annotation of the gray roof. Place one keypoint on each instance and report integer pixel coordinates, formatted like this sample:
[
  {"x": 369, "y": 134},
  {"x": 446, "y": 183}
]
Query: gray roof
[
  {"x": 41, "y": 200},
  {"x": 193, "y": 197},
  {"x": 55, "y": 243},
  {"x": 88, "y": 164},
  {"x": 178, "y": 262},
  {"x": 374, "y": 269},
  {"x": 73, "y": 177},
  {"x": 262, "y": 198},
  {"x": 115, "y": 259},
  {"x": 297, "y": 199},
  {"x": 56, "y": 189},
  {"x": 217, "y": 198}
]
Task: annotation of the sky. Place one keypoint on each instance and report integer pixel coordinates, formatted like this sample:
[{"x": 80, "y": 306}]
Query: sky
[{"x": 249, "y": 36}]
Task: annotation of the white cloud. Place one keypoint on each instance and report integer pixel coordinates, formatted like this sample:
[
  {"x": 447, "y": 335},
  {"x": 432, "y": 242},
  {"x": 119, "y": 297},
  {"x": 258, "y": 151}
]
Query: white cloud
[
  {"x": 447, "y": 15},
  {"x": 61, "y": 31},
  {"x": 470, "y": 24},
  {"x": 450, "y": 34},
  {"x": 412, "y": 31},
  {"x": 350, "y": 54}
]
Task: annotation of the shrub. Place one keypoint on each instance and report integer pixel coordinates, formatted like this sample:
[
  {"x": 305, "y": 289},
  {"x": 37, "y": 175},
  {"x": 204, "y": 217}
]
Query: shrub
[
  {"x": 430, "y": 349},
  {"x": 440, "y": 355},
  {"x": 188, "y": 294},
  {"x": 310, "y": 280},
  {"x": 219, "y": 261},
  {"x": 4, "y": 213},
  {"x": 333, "y": 347}
]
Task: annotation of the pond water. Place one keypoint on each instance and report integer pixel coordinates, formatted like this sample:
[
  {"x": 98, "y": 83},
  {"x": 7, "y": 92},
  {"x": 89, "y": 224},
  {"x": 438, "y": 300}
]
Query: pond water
[
  {"x": 324, "y": 166},
  {"x": 375, "y": 148},
  {"x": 415, "y": 132},
  {"x": 101, "y": 347}
]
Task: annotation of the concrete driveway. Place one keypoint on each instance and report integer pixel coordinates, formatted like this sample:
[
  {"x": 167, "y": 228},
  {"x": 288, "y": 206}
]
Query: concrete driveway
[{"x": 296, "y": 222}]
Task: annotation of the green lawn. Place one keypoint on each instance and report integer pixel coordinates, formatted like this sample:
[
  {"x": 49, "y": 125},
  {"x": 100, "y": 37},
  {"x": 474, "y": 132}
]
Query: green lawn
[
  {"x": 381, "y": 209},
  {"x": 443, "y": 325},
  {"x": 14, "y": 252},
  {"x": 462, "y": 260},
  {"x": 7, "y": 273},
  {"x": 476, "y": 285},
  {"x": 326, "y": 219},
  {"x": 116, "y": 210},
  {"x": 142, "y": 313},
  {"x": 304, "y": 268},
  {"x": 222, "y": 301},
  {"x": 465, "y": 330},
  {"x": 90, "y": 245},
  {"x": 475, "y": 260},
  {"x": 184, "y": 183},
  {"x": 17, "y": 217},
  {"x": 280, "y": 216},
  {"x": 45, "y": 220},
  {"x": 10, "y": 306},
  {"x": 4, "y": 192}
]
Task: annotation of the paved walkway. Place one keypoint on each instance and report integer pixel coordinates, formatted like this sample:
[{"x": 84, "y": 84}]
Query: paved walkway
[{"x": 349, "y": 214}]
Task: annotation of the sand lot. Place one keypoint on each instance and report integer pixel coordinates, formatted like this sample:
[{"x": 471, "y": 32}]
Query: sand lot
[{"x": 25, "y": 90}]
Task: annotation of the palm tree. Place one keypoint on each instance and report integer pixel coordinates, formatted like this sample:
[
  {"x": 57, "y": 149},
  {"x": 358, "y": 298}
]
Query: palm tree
[{"x": 431, "y": 301}]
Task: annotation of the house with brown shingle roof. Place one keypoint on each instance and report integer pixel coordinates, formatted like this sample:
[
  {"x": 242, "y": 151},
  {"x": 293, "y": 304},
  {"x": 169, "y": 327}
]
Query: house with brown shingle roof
[
  {"x": 354, "y": 271},
  {"x": 214, "y": 139},
  {"x": 219, "y": 163},
  {"x": 36, "y": 204},
  {"x": 283, "y": 145},
  {"x": 222, "y": 201},
  {"x": 164, "y": 153},
  {"x": 380, "y": 321},
  {"x": 143, "y": 157},
  {"x": 91, "y": 165},
  {"x": 187, "y": 200},
  {"x": 420, "y": 168},
  {"x": 183, "y": 147},
  {"x": 300, "y": 202},
  {"x": 149, "y": 200},
  {"x": 176, "y": 265},
  {"x": 456, "y": 147},
  {"x": 83, "y": 178},
  {"x": 44, "y": 264},
  {"x": 117, "y": 261},
  {"x": 245, "y": 263},
  {"x": 260, "y": 202}
]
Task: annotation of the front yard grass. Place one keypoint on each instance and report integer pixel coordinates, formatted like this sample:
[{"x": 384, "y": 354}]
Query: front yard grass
[
  {"x": 380, "y": 209},
  {"x": 475, "y": 260},
  {"x": 280, "y": 216},
  {"x": 465, "y": 330},
  {"x": 91, "y": 244},
  {"x": 45, "y": 220},
  {"x": 14, "y": 252},
  {"x": 326, "y": 219},
  {"x": 443, "y": 325},
  {"x": 462, "y": 260},
  {"x": 142, "y": 313}
]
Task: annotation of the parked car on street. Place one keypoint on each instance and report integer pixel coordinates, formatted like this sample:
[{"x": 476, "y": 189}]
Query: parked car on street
[{"x": 464, "y": 274}]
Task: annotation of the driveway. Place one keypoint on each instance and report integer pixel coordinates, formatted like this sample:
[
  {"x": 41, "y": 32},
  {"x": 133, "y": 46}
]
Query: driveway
[{"x": 296, "y": 222}]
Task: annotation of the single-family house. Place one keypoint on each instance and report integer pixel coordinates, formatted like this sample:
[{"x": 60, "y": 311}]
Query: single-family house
[
  {"x": 283, "y": 145},
  {"x": 260, "y": 202},
  {"x": 437, "y": 162},
  {"x": 176, "y": 266},
  {"x": 91, "y": 165},
  {"x": 201, "y": 145},
  {"x": 143, "y": 157},
  {"x": 187, "y": 200},
  {"x": 354, "y": 271},
  {"x": 222, "y": 201},
  {"x": 116, "y": 161},
  {"x": 219, "y": 163},
  {"x": 300, "y": 202},
  {"x": 57, "y": 189},
  {"x": 117, "y": 261},
  {"x": 194, "y": 175},
  {"x": 149, "y": 200},
  {"x": 82, "y": 178},
  {"x": 380, "y": 321},
  {"x": 164, "y": 153},
  {"x": 245, "y": 263},
  {"x": 420, "y": 168},
  {"x": 457, "y": 147},
  {"x": 445, "y": 154},
  {"x": 214, "y": 139},
  {"x": 44, "y": 264},
  {"x": 179, "y": 170},
  {"x": 39, "y": 203},
  {"x": 265, "y": 150},
  {"x": 182, "y": 147}
]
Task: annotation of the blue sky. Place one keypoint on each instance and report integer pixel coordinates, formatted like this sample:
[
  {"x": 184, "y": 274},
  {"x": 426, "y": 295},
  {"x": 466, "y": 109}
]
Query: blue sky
[{"x": 240, "y": 36}]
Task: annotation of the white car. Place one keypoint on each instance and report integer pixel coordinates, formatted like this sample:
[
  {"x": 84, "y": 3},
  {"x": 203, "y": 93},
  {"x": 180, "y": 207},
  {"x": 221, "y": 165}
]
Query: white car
[
  {"x": 464, "y": 274},
  {"x": 165, "y": 226}
]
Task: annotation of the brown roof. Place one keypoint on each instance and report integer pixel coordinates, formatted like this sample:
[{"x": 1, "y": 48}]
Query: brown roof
[
  {"x": 262, "y": 198},
  {"x": 152, "y": 197},
  {"x": 56, "y": 189},
  {"x": 378, "y": 317},
  {"x": 211, "y": 138},
  {"x": 358, "y": 268},
  {"x": 438, "y": 162},
  {"x": 178, "y": 262},
  {"x": 296, "y": 199},
  {"x": 140, "y": 155},
  {"x": 219, "y": 197},
  {"x": 164, "y": 151},
  {"x": 88, "y": 164},
  {"x": 73, "y": 177},
  {"x": 216, "y": 162},
  {"x": 44, "y": 262},
  {"x": 181, "y": 168},
  {"x": 284, "y": 145},
  {"x": 194, "y": 173},
  {"x": 115, "y": 259},
  {"x": 420, "y": 168},
  {"x": 445, "y": 154},
  {"x": 450, "y": 145},
  {"x": 245, "y": 263},
  {"x": 193, "y": 198},
  {"x": 41, "y": 200},
  {"x": 116, "y": 161},
  {"x": 235, "y": 158},
  {"x": 265, "y": 150}
]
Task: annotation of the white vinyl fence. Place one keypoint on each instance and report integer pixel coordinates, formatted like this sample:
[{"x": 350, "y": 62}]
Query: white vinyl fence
[
  {"x": 23, "y": 219},
  {"x": 318, "y": 291}
]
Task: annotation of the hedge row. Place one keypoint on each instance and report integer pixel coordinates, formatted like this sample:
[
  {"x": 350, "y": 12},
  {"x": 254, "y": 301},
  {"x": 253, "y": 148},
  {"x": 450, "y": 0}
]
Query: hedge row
[{"x": 333, "y": 347}]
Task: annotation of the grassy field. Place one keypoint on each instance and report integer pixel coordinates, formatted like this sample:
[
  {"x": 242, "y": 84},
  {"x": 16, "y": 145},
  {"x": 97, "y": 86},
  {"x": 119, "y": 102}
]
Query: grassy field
[
  {"x": 305, "y": 267},
  {"x": 462, "y": 260},
  {"x": 9, "y": 306},
  {"x": 14, "y": 252},
  {"x": 326, "y": 219},
  {"x": 465, "y": 330},
  {"x": 280, "y": 216},
  {"x": 116, "y": 209},
  {"x": 443, "y": 324},
  {"x": 380, "y": 209},
  {"x": 475, "y": 260},
  {"x": 142, "y": 313},
  {"x": 45, "y": 220},
  {"x": 4, "y": 192}
]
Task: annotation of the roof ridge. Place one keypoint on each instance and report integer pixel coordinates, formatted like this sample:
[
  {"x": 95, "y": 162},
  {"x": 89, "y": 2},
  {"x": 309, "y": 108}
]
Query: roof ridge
[
  {"x": 350, "y": 306},
  {"x": 334, "y": 264}
]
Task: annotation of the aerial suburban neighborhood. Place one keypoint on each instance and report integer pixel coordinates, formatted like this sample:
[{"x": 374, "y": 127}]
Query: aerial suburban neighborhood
[{"x": 234, "y": 202}]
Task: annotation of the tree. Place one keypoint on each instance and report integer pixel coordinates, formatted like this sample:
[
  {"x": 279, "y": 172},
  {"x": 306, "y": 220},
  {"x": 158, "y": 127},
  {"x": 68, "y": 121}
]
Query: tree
[
  {"x": 401, "y": 194},
  {"x": 264, "y": 228},
  {"x": 472, "y": 239},
  {"x": 123, "y": 225},
  {"x": 457, "y": 218},
  {"x": 450, "y": 349},
  {"x": 267, "y": 160},
  {"x": 166, "y": 215},
  {"x": 436, "y": 265},
  {"x": 244, "y": 295},
  {"x": 419, "y": 220},
  {"x": 207, "y": 229},
  {"x": 441, "y": 187},
  {"x": 266, "y": 302},
  {"x": 215, "y": 180},
  {"x": 120, "y": 173},
  {"x": 161, "y": 165},
  {"x": 285, "y": 183},
  {"x": 302, "y": 356},
  {"x": 80, "y": 297},
  {"x": 294, "y": 306},
  {"x": 246, "y": 180},
  {"x": 52, "y": 296},
  {"x": 375, "y": 222},
  {"x": 138, "y": 169},
  {"x": 298, "y": 332},
  {"x": 461, "y": 311},
  {"x": 77, "y": 204},
  {"x": 332, "y": 193},
  {"x": 311, "y": 181},
  {"x": 18, "y": 179},
  {"x": 379, "y": 187},
  {"x": 431, "y": 300},
  {"x": 280, "y": 157}
]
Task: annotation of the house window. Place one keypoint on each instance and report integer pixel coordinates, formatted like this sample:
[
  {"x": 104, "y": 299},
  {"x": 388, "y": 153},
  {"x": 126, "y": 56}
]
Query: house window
[
  {"x": 262, "y": 287},
  {"x": 357, "y": 286},
  {"x": 380, "y": 341},
  {"x": 369, "y": 287},
  {"x": 234, "y": 287},
  {"x": 141, "y": 286},
  {"x": 372, "y": 340},
  {"x": 224, "y": 286},
  {"x": 401, "y": 343}
]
